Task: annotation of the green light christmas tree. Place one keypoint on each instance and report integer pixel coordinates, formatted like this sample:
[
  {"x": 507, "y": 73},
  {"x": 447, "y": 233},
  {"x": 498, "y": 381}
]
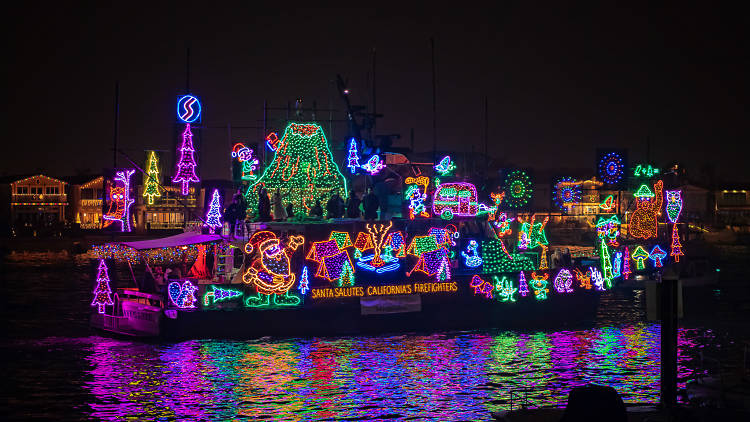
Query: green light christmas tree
[
  {"x": 151, "y": 188},
  {"x": 303, "y": 169}
]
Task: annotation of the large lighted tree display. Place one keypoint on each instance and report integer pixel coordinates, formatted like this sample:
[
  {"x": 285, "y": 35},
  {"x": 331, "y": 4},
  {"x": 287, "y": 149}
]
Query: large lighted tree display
[
  {"x": 102, "y": 291},
  {"x": 186, "y": 166},
  {"x": 151, "y": 188},
  {"x": 303, "y": 169}
]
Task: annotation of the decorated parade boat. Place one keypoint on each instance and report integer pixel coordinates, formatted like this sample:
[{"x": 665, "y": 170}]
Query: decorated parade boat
[{"x": 456, "y": 260}]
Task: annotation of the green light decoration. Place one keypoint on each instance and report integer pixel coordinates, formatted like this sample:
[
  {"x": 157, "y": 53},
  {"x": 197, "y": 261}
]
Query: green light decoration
[
  {"x": 606, "y": 261},
  {"x": 532, "y": 236},
  {"x": 504, "y": 286},
  {"x": 645, "y": 170},
  {"x": 539, "y": 284},
  {"x": 495, "y": 260},
  {"x": 151, "y": 188},
  {"x": 644, "y": 192},
  {"x": 518, "y": 189},
  {"x": 219, "y": 294},
  {"x": 639, "y": 255},
  {"x": 303, "y": 169}
]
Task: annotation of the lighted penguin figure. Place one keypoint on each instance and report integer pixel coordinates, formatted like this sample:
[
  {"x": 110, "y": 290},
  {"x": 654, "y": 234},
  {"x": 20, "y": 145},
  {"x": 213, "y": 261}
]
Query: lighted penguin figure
[
  {"x": 271, "y": 272},
  {"x": 643, "y": 223}
]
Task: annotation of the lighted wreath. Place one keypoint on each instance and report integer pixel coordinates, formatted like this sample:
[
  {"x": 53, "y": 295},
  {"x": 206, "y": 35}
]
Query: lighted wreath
[
  {"x": 567, "y": 191},
  {"x": 517, "y": 189},
  {"x": 611, "y": 168}
]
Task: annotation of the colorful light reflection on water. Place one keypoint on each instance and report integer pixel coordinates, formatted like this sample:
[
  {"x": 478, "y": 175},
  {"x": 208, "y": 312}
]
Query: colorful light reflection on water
[
  {"x": 55, "y": 372},
  {"x": 443, "y": 376}
]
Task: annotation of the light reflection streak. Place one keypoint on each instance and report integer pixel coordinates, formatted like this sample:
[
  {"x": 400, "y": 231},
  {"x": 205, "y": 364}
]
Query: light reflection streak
[{"x": 445, "y": 376}]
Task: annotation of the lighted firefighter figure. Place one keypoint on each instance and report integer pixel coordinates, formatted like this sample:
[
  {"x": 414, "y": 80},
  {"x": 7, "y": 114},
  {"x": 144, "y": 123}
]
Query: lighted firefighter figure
[
  {"x": 643, "y": 223},
  {"x": 271, "y": 272},
  {"x": 119, "y": 209},
  {"x": 539, "y": 285}
]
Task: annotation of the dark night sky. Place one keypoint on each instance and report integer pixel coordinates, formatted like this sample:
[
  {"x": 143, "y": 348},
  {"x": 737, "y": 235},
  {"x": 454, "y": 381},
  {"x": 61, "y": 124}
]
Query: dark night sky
[{"x": 561, "y": 80}]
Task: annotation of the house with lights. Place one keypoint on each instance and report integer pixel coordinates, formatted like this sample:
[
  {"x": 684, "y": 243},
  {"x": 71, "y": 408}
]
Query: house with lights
[
  {"x": 37, "y": 202},
  {"x": 169, "y": 211},
  {"x": 86, "y": 203},
  {"x": 733, "y": 205}
]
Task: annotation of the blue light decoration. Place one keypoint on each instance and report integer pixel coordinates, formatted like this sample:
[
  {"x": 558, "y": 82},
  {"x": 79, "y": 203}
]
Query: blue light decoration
[
  {"x": 188, "y": 109},
  {"x": 391, "y": 262},
  {"x": 471, "y": 256},
  {"x": 446, "y": 166},
  {"x": 373, "y": 165},
  {"x": 304, "y": 284},
  {"x": 617, "y": 264},
  {"x": 597, "y": 279},
  {"x": 181, "y": 294},
  {"x": 656, "y": 255},
  {"x": 611, "y": 168},
  {"x": 505, "y": 289},
  {"x": 567, "y": 192},
  {"x": 219, "y": 294},
  {"x": 353, "y": 159}
]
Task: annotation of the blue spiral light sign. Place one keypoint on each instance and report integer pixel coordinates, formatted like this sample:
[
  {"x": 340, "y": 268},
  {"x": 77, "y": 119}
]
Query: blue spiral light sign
[{"x": 188, "y": 109}]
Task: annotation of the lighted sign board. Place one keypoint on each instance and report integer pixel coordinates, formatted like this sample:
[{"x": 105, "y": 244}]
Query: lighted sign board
[{"x": 188, "y": 109}]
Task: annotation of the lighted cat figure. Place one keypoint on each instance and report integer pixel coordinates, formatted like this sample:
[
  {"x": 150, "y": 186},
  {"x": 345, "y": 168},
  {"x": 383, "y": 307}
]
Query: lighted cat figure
[
  {"x": 643, "y": 223},
  {"x": 119, "y": 209},
  {"x": 271, "y": 273}
]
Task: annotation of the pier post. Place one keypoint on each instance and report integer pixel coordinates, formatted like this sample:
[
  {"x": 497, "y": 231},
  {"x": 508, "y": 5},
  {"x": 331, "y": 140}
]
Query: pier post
[{"x": 669, "y": 286}]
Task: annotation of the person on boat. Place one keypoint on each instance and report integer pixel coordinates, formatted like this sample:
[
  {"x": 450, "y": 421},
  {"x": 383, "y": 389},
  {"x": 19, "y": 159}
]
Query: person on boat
[
  {"x": 371, "y": 204},
  {"x": 289, "y": 210},
  {"x": 317, "y": 210},
  {"x": 335, "y": 206},
  {"x": 279, "y": 212},
  {"x": 352, "y": 205},
  {"x": 264, "y": 205}
]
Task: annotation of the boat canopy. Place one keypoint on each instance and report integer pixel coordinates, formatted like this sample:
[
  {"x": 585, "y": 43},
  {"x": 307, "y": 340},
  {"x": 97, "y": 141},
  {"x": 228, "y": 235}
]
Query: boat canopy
[{"x": 182, "y": 239}]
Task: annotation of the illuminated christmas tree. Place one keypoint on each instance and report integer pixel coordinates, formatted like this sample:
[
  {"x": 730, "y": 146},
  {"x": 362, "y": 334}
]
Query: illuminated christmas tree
[
  {"x": 102, "y": 291},
  {"x": 186, "y": 166},
  {"x": 151, "y": 188},
  {"x": 213, "y": 217},
  {"x": 302, "y": 169},
  {"x": 353, "y": 156},
  {"x": 676, "y": 251}
]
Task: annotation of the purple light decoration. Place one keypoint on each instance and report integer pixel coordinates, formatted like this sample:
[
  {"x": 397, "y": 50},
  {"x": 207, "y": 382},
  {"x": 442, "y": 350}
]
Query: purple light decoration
[
  {"x": 213, "y": 216},
  {"x": 186, "y": 166},
  {"x": 181, "y": 295},
  {"x": 597, "y": 279},
  {"x": 334, "y": 264},
  {"x": 656, "y": 255},
  {"x": 124, "y": 217},
  {"x": 523, "y": 286},
  {"x": 373, "y": 165},
  {"x": 563, "y": 281},
  {"x": 102, "y": 290}
]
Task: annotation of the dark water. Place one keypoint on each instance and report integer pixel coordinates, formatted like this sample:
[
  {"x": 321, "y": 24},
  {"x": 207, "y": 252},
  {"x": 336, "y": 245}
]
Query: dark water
[{"x": 55, "y": 367}]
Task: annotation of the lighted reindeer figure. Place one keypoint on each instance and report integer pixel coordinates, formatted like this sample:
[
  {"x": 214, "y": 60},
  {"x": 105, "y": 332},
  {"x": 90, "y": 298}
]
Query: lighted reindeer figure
[
  {"x": 271, "y": 273},
  {"x": 643, "y": 224}
]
